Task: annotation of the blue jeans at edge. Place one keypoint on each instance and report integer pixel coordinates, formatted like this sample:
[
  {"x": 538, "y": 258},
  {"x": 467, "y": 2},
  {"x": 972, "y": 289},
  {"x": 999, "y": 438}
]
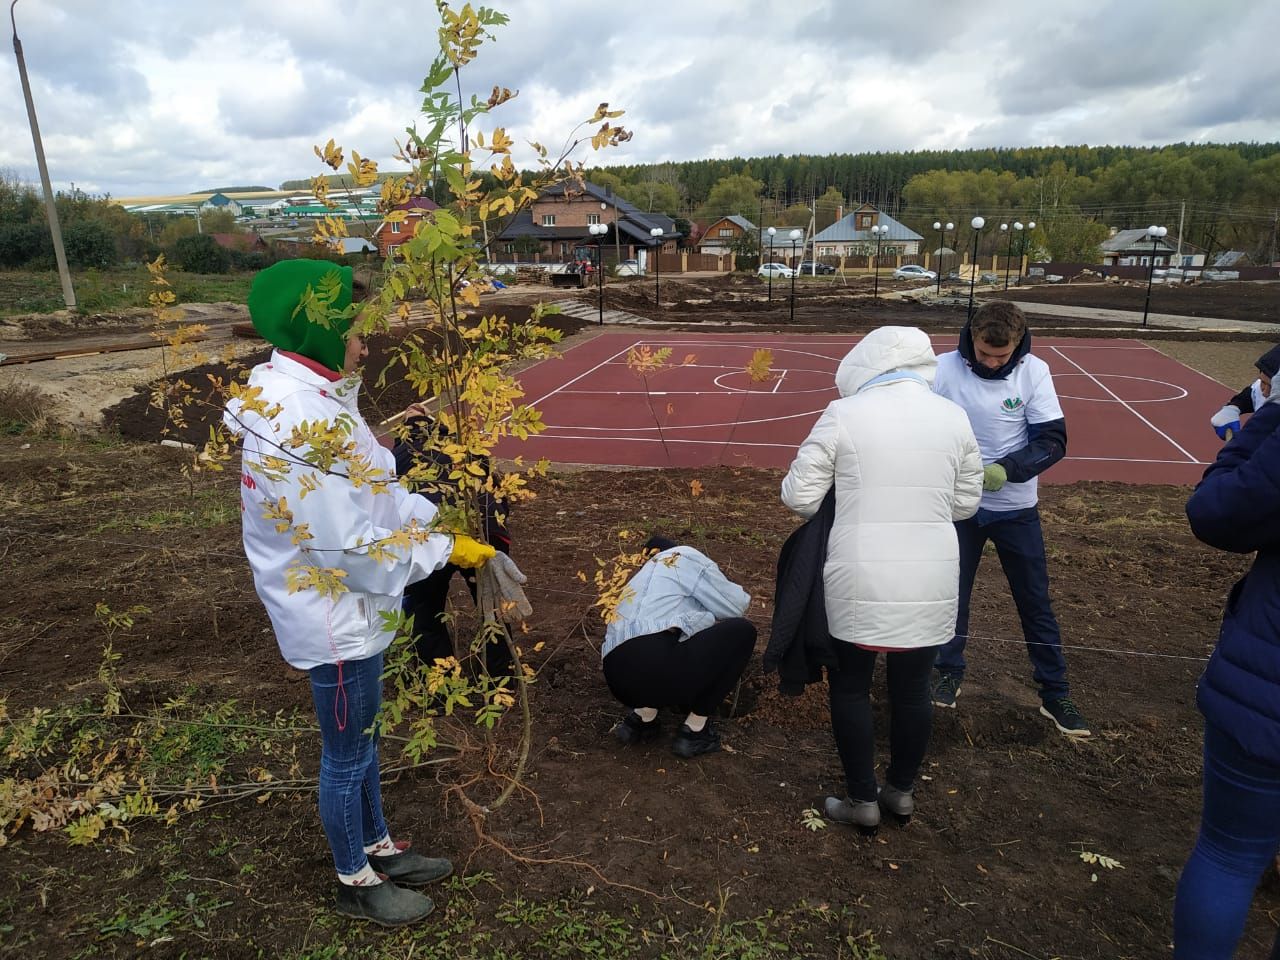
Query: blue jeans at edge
[
  {"x": 1239, "y": 836},
  {"x": 350, "y": 795},
  {"x": 1019, "y": 543}
]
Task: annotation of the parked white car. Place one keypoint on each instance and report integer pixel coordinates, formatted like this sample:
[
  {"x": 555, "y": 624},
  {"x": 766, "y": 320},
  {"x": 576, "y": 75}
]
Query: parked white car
[
  {"x": 627, "y": 268},
  {"x": 913, "y": 271},
  {"x": 779, "y": 271}
]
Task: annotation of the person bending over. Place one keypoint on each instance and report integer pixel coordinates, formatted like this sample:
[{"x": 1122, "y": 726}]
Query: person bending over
[{"x": 679, "y": 640}]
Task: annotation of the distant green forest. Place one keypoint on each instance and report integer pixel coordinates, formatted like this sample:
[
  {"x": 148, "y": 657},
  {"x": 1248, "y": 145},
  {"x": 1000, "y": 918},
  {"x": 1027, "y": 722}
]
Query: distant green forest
[{"x": 1224, "y": 196}]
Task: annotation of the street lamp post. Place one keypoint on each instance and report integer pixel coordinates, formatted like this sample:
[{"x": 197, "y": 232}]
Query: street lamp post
[
  {"x": 1008, "y": 256},
  {"x": 656, "y": 233},
  {"x": 942, "y": 242},
  {"x": 771, "y": 231},
  {"x": 878, "y": 232},
  {"x": 598, "y": 230},
  {"x": 794, "y": 236},
  {"x": 1156, "y": 234},
  {"x": 977, "y": 223}
]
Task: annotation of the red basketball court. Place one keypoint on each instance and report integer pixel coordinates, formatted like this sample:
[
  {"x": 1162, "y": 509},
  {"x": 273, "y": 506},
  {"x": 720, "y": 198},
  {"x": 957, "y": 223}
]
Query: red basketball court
[{"x": 1133, "y": 414}]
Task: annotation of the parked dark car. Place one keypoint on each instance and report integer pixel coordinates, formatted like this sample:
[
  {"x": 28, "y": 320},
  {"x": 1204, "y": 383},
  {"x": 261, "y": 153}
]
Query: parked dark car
[{"x": 812, "y": 267}]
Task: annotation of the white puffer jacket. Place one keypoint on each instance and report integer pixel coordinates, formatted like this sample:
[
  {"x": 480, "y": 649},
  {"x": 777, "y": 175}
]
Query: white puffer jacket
[
  {"x": 905, "y": 464},
  {"x": 342, "y": 518}
]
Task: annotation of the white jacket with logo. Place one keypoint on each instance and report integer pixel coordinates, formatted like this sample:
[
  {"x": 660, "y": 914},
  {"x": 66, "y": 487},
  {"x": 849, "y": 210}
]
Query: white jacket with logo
[
  {"x": 905, "y": 465},
  {"x": 342, "y": 517}
]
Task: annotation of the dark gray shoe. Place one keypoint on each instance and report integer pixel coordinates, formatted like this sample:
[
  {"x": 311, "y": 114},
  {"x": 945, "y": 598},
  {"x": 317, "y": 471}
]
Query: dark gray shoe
[
  {"x": 383, "y": 903},
  {"x": 1066, "y": 716},
  {"x": 945, "y": 690},
  {"x": 410, "y": 869},
  {"x": 901, "y": 804},
  {"x": 688, "y": 744},
  {"x": 863, "y": 815}
]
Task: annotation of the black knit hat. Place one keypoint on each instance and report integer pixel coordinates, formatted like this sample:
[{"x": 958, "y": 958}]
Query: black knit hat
[
  {"x": 657, "y": 543},
  {"x": 1269, "y": 362}
]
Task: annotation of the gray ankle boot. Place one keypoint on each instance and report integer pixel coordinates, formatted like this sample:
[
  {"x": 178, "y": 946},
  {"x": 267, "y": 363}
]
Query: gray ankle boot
[
  {"x": 863, "y": 815},
  {"x": 900, "y": 803}
]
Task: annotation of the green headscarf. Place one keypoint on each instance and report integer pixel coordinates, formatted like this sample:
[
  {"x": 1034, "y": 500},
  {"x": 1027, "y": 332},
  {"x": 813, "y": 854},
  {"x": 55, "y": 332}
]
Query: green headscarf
[{"x": 275, "y": 306}]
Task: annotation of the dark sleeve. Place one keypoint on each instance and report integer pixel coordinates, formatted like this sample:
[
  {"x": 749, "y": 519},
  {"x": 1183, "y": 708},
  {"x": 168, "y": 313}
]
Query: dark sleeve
[
  {"x": 1243, "y": 400},
  {"x": 1046, "y": 445},
  {"x": 1236, "y": 506}
]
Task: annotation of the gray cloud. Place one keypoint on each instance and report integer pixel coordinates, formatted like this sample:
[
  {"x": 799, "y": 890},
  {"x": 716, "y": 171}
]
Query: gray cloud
[{"x": 134, "y": 103}]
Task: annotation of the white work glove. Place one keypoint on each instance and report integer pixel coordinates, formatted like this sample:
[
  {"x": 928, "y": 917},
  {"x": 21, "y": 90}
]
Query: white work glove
[
  {"x": 1226, "y": 422},
  {"x": 499, "y": 590}
]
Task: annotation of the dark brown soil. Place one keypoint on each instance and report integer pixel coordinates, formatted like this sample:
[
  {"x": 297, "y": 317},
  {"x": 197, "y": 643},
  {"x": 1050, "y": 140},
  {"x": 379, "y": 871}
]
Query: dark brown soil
[
  {"x": 1254, "y": 300},
  {"x": 990, "y": 866}
]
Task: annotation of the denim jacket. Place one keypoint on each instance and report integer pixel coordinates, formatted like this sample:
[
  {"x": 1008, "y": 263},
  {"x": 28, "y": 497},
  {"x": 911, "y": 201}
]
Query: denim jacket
[{"x": 678, "y": 589}]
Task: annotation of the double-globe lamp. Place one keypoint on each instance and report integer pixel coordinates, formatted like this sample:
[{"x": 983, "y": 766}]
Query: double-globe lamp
[
  {"x": 1155, "y": 234},
  {"x": 598, "y": 230}
]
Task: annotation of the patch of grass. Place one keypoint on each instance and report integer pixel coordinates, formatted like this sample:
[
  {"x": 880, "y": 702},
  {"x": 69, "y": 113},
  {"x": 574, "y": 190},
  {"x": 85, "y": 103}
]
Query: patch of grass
[
  {"x": 208, "y": 508},
  {"x": 23, "y": 408},
  {"x": 104, "y": 291},
  {"x": 577, "y": 927},
  {"x": 160, "y": 919}
]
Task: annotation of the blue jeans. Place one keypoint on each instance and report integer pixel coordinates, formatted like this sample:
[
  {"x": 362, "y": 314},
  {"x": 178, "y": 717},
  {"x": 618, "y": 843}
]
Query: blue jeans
[
  {"x": 350, "y": 795},
  {"x": 1020, "y": 546},
  {"x": 1239, "y": 836}
]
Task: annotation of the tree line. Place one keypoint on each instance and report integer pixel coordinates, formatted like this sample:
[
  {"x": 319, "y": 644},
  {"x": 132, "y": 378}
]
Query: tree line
[{"x": 1226, "y": 196}]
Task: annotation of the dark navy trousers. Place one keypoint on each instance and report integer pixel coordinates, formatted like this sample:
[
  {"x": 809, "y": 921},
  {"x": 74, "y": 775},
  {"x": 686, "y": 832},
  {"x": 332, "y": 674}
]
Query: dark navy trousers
[{"x": 1019, "y": 544}]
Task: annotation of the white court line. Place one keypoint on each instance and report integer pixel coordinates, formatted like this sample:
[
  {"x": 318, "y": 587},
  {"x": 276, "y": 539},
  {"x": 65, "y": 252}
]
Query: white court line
[
  {"x": 1194, "y": 463},
  {"x": 779, "y": 383},
  {"x": 795, "y": 446},
  {"x": 569, "y": 383},
  {"x": 1190, "y": 457}
]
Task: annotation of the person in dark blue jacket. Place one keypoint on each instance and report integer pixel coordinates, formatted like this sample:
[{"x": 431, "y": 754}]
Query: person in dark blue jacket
[{"x": 1236, "y": 507}]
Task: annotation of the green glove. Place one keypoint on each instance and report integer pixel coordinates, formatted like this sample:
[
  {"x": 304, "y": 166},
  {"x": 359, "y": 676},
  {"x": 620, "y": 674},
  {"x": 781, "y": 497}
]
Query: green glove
[
  {"x": 469, "y": 553},
  {"x": 993, "y": 477}
]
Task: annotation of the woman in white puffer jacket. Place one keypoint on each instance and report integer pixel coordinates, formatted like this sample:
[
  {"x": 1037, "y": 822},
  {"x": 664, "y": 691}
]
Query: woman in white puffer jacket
[{"x": 905, "y": 465}]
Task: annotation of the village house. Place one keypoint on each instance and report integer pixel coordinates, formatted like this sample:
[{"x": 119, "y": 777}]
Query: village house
[
  {"x": 722, "y": 236},
  {"x": 389, "y": 235},
  {"x": 557, "y": 228},
  {"x": 851, "y": 236}
]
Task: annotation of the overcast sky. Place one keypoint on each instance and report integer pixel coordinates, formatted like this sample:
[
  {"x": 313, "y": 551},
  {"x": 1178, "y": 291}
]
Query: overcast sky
[{"x": 170, "y": 96}]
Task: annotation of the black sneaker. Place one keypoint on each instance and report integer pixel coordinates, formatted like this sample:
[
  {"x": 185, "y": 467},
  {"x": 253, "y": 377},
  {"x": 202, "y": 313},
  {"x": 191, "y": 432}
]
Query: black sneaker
[
  {"x": 945, "y": 690},
  {"x": 688, "y": 744},
  {"x": 410, "y": 868},
  {"x": 632, "y": 730},
  {"x": 383, "y": 903},
  {"x": 1066, "y": 716}
]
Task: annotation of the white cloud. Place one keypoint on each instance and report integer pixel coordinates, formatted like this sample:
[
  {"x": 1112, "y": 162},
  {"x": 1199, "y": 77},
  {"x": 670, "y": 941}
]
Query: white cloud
[{"x": 134, "y": 99}]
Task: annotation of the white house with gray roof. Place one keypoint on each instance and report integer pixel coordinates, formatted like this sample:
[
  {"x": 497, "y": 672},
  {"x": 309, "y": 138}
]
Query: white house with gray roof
[{"x": 851, "y": 236}]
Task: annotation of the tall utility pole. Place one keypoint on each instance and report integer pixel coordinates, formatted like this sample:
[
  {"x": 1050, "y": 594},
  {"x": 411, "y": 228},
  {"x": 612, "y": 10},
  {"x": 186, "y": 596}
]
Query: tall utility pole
[
  {"x": 68, "y": 292},
  {"x": 1182, "y": 215}
]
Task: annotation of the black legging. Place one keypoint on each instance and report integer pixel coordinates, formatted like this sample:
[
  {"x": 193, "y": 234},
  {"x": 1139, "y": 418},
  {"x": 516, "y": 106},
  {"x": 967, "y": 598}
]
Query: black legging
[
  {"x": 910, "y": 715},
  {"x": 425, "y": 601},
  {"x": 658, "y": 670}
]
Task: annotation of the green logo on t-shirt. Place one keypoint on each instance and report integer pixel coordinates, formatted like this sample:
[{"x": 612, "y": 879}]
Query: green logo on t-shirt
[{"x": 1012, "y": 403}]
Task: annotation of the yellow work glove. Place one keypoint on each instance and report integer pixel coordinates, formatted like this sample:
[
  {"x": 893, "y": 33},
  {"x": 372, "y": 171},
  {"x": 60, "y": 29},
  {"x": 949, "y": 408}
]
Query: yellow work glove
[
  {"x": 993, "y": 477},
  {"x": 469, "y": 553}
]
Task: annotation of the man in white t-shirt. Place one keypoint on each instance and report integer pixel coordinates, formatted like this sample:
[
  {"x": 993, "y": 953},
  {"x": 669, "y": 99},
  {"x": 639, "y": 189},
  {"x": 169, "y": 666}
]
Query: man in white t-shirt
[{"x": 1014, "y": 411}]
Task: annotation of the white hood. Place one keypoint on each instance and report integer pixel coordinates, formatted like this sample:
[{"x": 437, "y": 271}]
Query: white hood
[{"x": 886, "y": 350}]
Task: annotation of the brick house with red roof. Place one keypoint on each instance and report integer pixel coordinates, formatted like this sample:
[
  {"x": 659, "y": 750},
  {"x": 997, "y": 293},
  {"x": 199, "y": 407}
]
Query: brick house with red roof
[{"x": 388, "y": 236}]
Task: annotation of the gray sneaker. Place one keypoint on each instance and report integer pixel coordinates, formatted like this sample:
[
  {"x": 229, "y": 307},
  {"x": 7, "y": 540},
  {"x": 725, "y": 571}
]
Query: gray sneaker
[
  {"x": 900, "y": 803},
  {"x": 945, "y": 690},
  {"x": 863, "y": 815}
]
